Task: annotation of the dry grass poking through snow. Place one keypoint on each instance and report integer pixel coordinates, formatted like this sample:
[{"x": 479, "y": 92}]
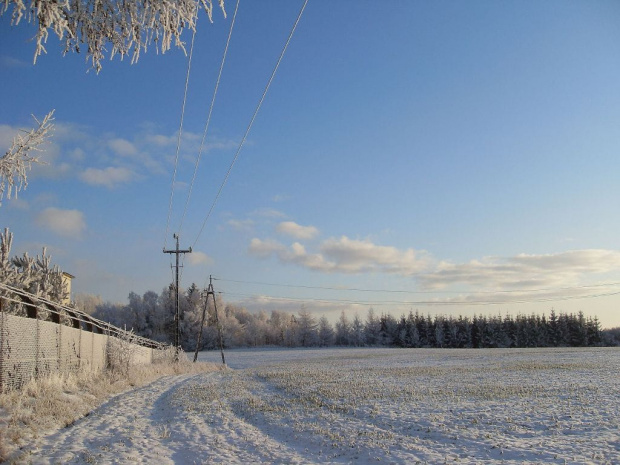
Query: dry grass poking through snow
[{"x": 56, "y": 402}]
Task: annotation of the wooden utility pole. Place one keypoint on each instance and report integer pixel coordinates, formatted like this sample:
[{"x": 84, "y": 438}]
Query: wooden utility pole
[
  {"x": 176, "y": 300},
  {"x": 210, "y": 292}
]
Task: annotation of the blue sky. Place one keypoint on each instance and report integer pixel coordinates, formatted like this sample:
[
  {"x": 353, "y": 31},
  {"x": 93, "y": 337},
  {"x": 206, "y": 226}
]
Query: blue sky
[{"x": 464, "y": 154}]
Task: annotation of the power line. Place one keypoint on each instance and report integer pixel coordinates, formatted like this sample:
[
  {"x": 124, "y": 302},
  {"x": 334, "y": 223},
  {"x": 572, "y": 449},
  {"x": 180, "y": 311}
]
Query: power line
[
  {"x": 511, "y": 291},
  {"x": 204, "y": 135},
  {"x": 247, "y": 131},
  {"x": 176, "y": 158},
  {"x": 427, "y": 302}
]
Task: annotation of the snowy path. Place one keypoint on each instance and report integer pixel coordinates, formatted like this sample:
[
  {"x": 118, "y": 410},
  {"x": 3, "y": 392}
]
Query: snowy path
[
  {"x": 362, "y": 406},
  {"x": 139, "y": 426},
  {"x": 181, "y": 420}
]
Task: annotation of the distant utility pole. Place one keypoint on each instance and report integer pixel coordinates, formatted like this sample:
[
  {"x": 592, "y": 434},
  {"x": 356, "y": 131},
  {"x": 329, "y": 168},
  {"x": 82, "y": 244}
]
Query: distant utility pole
[
  {"x": 176, "y": 300},
  {"x": 210, "y": 292}
]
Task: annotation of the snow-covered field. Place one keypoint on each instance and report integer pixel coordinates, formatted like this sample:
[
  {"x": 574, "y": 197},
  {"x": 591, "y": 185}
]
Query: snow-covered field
[{"x": 365, "y": 406}]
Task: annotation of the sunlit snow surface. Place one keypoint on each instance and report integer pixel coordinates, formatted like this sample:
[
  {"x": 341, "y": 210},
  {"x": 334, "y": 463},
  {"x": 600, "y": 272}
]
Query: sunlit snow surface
[{"x": 363, "y": 406}]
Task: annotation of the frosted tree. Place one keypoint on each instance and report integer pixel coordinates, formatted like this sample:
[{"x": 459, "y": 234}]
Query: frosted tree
[
  {"x": 113, "y": 313},
  {"x": 389, "y": 330},
  {"x": 233, "y": 331},
  {"x": 87, "y": 303},
  {"x": 35, "y": 275},
  {"x": 343, "y": 330},
  {"x": 372, "y": 328},
  {"x": 256, "y": 330},
  {"x": 357, "y": 332},
  {"x": 307, "y": 333},
  {"x": 122, "y": 27},
  {"x": 278, "y": 322},
  {"x": 412, "y": 336},
  {"x": 20, "y": 157},
  {"x": 291, "y": 332},
  {"x": 326, "y": 332},
  {"x": 8, "y": 273},
  {"x": 191, "y": 306}
]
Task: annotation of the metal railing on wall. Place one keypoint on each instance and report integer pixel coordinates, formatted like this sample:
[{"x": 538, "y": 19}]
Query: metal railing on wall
[{"x": 39, "y": 337}]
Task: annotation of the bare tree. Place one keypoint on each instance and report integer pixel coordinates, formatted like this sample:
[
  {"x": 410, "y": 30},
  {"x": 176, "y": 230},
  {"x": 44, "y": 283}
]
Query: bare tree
[
  {"x": 20, "y": 157},
  {"x": 125, "y": 26}
]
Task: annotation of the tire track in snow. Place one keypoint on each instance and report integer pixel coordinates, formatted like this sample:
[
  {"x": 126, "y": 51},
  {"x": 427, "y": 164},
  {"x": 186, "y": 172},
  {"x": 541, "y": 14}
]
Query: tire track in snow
[{"x": 218, "y": 403}]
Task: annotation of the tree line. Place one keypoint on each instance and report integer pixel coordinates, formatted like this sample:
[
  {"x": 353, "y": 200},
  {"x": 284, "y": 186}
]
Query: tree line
[{"x": 152, "y": 315}]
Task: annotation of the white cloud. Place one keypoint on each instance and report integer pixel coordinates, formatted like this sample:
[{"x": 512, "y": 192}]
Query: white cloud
[
  {"x": 219, "y": 143},
  {"x": 356, "y": 256},
  {"x": 268, "y": 213},
  {"x": 345, "y": 255},
  {"x": 16, "y": 203},
  {"x": 499, "y": 278},
  {"x": 77, "y": 154},
  {"x": 524, "y": 271},
  {"x": 241, "y": 225},
  {"x": 160, "y": 140},
  {"x": 257, "y": 303},
  {"x": 67, "y": 223},
  {"x": 290, "y": 228},
  {"x": 109, "y": 177},
  {"x": 51, "y": 170},
  {"x": 264, "y": 249},
  {"x": 7, "y": 134},
  {"x": 198, "y": 258},
  {"x": 10, "y": 62},
  {"x": 280, "y": 197},
  {"x": 122, "y": 147}
]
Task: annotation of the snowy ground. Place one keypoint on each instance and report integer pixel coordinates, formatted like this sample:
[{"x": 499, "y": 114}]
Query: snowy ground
[{"x": 365, "y": 406}]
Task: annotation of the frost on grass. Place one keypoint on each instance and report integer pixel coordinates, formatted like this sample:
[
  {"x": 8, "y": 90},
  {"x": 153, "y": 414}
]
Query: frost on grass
[
  {"x": 418, "y": 406},
  {"x": 552, "y": 406},
  {"x": 126, "y": 27},
  {"x": 48, "y": 404}
]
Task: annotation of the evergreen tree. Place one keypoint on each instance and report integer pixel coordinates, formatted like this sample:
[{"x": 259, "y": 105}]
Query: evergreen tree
[
  {"x": 308, "y": 329},
  {"x": 440, "y": 337},
  {"x": 343, "y": 330},
  {"x": 423, "y": 330},
  {"x": 372, "y": 329},
  {"x": 389, "y": 330},
  {"x": 593, "y": 329},
  {"x": 553, "y": 332},
  {"x": 326, "y": 332},
  {"x": 412, "y": 336},
  {"x": 476, "y": 336},
  {"x": 357, "y": 332}
]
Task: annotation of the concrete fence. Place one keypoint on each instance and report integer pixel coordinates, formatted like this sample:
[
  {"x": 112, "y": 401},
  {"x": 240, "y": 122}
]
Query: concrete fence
[{"x": 39, "y": 338}]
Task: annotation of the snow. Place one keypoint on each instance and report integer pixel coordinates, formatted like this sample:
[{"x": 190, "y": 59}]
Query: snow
[{"x": 364, "y": 406}]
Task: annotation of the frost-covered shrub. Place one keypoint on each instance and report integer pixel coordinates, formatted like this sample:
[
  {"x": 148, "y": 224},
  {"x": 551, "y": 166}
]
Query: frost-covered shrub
[{"x": 35, "y": 275}]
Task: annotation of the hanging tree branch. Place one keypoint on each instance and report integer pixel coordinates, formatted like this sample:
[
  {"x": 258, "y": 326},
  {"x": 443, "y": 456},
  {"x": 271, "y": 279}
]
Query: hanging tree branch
[
  {"x": 20, "y": 157},
  {"x": 129, "y": 26}
]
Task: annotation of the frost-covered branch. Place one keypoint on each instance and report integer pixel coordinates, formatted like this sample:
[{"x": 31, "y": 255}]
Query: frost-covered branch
[
  {"x": 128, "y": 26},
  {"x": 19, "y": 158}
]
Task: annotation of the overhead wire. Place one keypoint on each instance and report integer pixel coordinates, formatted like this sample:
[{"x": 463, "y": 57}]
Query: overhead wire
[
  {"x": 400, "y": 291},
  {"x": 204, "y": 135},
  {"x": 426, "y": 302},
  {"x": 435, "y": 302},
  {"x": 247, "y": 131},
  {"x": 176, "y": 158}
]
